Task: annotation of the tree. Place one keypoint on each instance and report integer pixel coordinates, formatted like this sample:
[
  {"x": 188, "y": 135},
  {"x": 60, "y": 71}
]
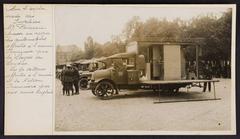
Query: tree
[
  {"x": 89, "y": 48},
  {"x": 130, "y": 28},
  {"x": 76, "y": 55},
  {"x": 215, "y": 31},
  {"x": 98, "y": 51},
  {"x": 223, "y": 34},
  {"x": 205, "y": 27},
  {"x": 118, "y": 43}
]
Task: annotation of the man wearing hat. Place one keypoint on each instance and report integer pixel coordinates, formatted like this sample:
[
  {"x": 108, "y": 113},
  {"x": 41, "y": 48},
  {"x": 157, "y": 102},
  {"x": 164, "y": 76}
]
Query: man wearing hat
[
  {"x": 75, "y": 79},
  {"x": 62, "y": 75},
  {"x": 208, "y": 76},
  {"x": 68, "y": 79}
]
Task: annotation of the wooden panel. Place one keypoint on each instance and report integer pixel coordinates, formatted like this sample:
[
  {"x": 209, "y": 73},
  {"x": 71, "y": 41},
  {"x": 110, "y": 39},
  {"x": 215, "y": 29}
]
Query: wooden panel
[
  {"x": 133, "y": 76},
  {"x": 156, "y": 58},
  {"x": 148, "y": 71},
  {"x": 183, "y": 64},
  {"x": 172, "y": 62}
]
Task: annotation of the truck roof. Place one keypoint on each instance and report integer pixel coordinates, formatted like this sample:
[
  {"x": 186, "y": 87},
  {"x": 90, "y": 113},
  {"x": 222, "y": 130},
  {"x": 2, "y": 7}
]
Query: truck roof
[
  {"x": 165, "y": 41},
  {"x": 122, "y": 55},
  {"x": 148, "y": 43},
  {"x": 93, "y": 60}
]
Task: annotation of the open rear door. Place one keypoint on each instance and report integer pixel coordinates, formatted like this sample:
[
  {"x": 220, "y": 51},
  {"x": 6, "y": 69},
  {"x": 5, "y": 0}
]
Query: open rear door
[{"x": 157, "y": 62}]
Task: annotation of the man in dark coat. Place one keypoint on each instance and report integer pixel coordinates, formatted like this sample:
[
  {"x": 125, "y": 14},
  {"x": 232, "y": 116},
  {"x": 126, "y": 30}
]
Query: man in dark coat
[
  {"x": 75, "y": 79},
  {"x": 207, "y": 76},
  {"x": 62, "y": 80},
  {"x": 68, "y": 79}
]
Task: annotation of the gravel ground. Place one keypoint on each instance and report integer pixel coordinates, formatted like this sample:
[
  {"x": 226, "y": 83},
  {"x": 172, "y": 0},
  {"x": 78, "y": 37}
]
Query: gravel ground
[{"x": 135, "y": 110}]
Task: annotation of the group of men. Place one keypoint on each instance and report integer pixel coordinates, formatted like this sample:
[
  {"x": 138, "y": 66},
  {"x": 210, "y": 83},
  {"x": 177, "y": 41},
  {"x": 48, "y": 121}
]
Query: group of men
[
  {"x": 70, "y": 78},
  {"x": 205, "y": 73}
]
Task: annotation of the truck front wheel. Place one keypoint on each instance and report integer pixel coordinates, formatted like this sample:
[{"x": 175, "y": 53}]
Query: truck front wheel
[{"x": 105, "y": 90}]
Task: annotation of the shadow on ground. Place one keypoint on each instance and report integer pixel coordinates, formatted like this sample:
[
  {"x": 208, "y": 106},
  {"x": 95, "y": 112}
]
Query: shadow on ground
[{"x": 164, "y": 95}]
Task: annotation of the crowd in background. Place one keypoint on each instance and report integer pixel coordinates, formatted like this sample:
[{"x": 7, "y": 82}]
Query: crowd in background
[{"x": 218, "y": 69}]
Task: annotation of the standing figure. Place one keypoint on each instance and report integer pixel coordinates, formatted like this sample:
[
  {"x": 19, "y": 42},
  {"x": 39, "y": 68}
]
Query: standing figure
[
  {"x": 75, "y": 79},
  {"x": 68, "y": 79},
  {"x": 192, "y": 71},
  {"x": 208, "y": 76},
  {"x": 62, "y": 75}
]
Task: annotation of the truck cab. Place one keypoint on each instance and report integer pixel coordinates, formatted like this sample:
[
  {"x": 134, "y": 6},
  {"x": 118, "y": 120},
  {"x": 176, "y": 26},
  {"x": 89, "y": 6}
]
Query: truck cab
[{"x": 124, "y": 69}]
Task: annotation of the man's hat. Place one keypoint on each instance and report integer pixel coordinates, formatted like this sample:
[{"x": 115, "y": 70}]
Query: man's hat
[{"x": 68, "y": 65}]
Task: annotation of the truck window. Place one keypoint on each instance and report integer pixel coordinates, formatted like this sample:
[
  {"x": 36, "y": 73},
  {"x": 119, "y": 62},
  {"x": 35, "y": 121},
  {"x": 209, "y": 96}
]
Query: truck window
[
  {"x": 101, "y": 65},
  {"x": 131, "y": 63},
  {"x": 118, "y": 64}
]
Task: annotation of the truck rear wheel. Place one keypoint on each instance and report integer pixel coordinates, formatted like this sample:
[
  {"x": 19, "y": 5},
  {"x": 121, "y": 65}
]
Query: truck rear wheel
[
  {"x": 83, "y": 84},
  {"x": 105, "y": 90}
]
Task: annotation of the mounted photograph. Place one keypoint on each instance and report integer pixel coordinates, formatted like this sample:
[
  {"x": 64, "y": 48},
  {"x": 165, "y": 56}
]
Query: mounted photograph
[{"x": 144, "y": 69}]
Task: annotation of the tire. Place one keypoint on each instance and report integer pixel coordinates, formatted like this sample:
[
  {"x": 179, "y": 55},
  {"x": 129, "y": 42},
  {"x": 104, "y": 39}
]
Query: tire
[
  {"x": 83, "y": 84},
  {"x": 105, "y": 90},
  {"x": 93, "y": 91}
]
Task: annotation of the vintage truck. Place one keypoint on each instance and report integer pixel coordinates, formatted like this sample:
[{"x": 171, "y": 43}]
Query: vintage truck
[
  {"x": 85, "y": 69},
  {"x": 146, "y": 65}
]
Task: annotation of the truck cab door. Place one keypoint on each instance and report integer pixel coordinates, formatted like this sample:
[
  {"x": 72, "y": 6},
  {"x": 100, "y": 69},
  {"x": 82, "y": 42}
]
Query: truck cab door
[{"x": 119, "y": 72}]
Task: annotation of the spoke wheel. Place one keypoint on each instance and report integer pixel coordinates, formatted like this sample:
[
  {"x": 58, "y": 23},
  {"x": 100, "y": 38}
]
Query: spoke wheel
[
  {"x": 105, "y": 90},
  {"x": 93, "y": 91},
  {"x": 83, "y": 84}
]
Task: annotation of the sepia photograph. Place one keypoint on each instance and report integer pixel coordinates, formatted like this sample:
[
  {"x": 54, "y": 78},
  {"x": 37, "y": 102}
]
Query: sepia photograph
[{"x": 144, "y": 69}]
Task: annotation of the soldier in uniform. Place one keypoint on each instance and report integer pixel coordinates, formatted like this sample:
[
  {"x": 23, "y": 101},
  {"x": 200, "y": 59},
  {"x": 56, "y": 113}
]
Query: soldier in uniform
[
  {"x": 191, "y": 71},
  {"x": 68, "y": 79},
  {"x": 62, "y": 80},
  {"x": 75, "y": 79},
  {"x": 207, "y": 71}
]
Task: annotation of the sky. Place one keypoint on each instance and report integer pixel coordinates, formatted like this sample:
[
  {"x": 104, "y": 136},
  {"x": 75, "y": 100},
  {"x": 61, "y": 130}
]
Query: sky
[{"x": 74, "y": 23}]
